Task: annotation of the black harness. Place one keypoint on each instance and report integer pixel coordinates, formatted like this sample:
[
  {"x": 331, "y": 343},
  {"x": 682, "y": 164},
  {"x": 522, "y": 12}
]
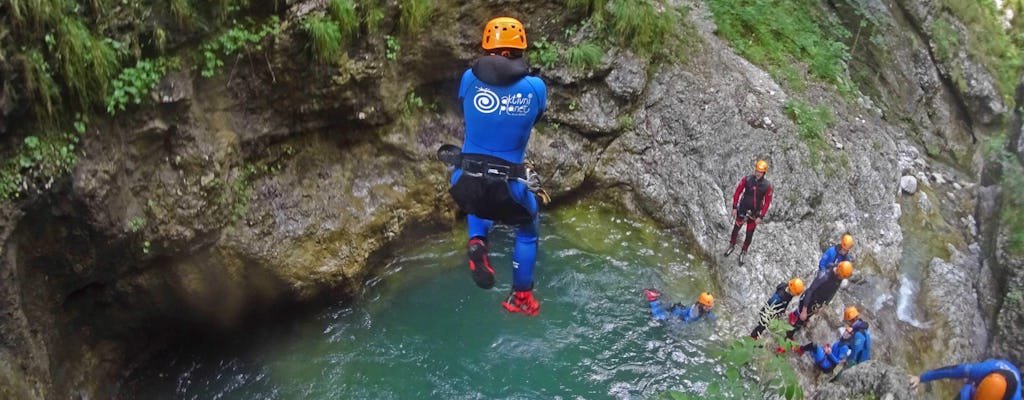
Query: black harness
[
  {"x": 491, "y": 166},
  {"x": 483, "y": 188}
]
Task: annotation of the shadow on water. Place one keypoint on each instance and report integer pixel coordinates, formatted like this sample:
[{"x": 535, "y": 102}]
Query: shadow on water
[{"x": 421, "y": 329}]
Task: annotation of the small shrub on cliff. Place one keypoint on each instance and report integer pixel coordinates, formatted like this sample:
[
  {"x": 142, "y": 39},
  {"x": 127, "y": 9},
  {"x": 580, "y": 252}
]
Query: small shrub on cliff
[
  {"x": 743, "y": 358},
  {"x": 324, "y": 37},
  {"x": 344, "y": 13},
  {"x": 640, "y": 25},
  {"x": 543, "y": 53},
  {"x": 1012, "y": 197},
  {"x": 647, "y": 27},
  {"x": 988, "y": 41},
  {"x": 39, "y": 161},
  {"x": 585, "y": 56},
  {"x": 240, "y": 38},
  {"x": 774, "y": 34},
  {"x": 134, "y": 83},
  {"x": 415, "y": 14}
]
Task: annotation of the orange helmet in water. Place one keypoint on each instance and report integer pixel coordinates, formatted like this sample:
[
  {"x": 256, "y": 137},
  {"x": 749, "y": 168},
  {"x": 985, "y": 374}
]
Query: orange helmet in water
[
  {"x": 706, "y": 299},
  {"x": 504, "y": 33}
]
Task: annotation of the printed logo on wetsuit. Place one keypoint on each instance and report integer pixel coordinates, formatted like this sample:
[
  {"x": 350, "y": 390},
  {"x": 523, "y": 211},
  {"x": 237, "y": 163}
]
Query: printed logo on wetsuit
[{"x": 486, "y": 101}]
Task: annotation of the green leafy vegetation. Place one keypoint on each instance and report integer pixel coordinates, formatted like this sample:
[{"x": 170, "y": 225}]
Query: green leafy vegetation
[
  {"x": 415, "y": 15},
  {"x": 584, "y": 56},
  {"x": 543, "y": 53},
  {"x": 810, "y": 121},
  {"x": 39, "y": 161},
  {"x": 391, "y": 47},
  {"x": 811, "y": 124},
  {"x": 239, "y": 38},
  {"x": 344, "y": 13},
  {"x": 136, "y": 223},
  {"x": 647, "y": 27},
  {"x": 744, "y": 357},
  {"x": 1011, "y": 182},
  {"x": 133, "y": 84},
  {"x": 778, "y": 34},
  {"x": 325, "y": 37},
  {"x": 1000, "y": 50},
  {"x": 374, "y": 16}
]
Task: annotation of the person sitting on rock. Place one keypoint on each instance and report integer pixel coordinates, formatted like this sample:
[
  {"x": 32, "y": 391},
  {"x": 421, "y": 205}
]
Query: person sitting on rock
[
  {"x": 776, "y": 305},
  {"x": 821, "y": 292},
  {"x": 700, "y": 309},
  {"x": 751, "y": 207},
  {"x": 837, "y": 253},
  {"x": 827, "y": 358},
  {"x": 991, "y": 379},
  {"x": 860, "y": 348}
]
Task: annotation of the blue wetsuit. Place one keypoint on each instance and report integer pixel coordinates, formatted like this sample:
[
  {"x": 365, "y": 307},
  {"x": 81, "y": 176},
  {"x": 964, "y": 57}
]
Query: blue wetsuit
[
  {"x": 831, "y": 258},
  {"x": 974, "y": 373},
  {"x": 828, "y": 361},
  {"x": 685, "y": 314},
  {"x": 501, "y": 103},
  {"x": 860, "y": 348}
]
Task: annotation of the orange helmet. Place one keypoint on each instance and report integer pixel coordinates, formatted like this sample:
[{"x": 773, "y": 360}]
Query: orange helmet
[
  {"x": 796, "y": 286},
  {"x": 847, "y": 242},
  {"x": 845, "y": 269},
  {"x": 504, "y": 32},
  {"x": 706, "y": 299},
  {"x": 850, "y": 313},
  {"x": 993, "y": 387},
  {"x": 761, "y": 166}
]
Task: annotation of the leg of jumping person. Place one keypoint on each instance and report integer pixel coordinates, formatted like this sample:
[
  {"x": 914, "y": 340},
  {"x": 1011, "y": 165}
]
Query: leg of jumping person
[
  {"x": 523, "y": 260},
  {"x": 524, "y": 257},
  {"x": 479, "y": 263}
]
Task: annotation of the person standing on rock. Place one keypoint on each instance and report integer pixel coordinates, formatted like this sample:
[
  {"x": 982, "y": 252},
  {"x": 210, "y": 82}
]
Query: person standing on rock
[
  {"x": 992, "y": 379},
  {"x": 776, "y": 305},
  {"x": 500, "y": 102},
  {"x": 750, "y": 204},
  {"x": 821, "y": 292},
  {"x": 837, "y": 253}
]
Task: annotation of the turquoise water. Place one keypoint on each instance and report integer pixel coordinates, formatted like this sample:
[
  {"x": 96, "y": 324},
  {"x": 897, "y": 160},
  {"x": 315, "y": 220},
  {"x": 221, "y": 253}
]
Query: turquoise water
[{"x": 423, "y": 330}]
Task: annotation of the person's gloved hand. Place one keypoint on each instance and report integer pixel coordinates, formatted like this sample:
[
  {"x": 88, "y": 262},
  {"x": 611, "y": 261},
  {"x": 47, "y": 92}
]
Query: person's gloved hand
[
  {"x": 533, "y": 180},
  {"x": 915, "y": 381}
]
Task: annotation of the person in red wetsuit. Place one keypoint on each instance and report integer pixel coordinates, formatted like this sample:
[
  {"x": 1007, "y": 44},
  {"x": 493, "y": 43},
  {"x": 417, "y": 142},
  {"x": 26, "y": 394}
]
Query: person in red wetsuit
[{"x": 750, "y": 204}]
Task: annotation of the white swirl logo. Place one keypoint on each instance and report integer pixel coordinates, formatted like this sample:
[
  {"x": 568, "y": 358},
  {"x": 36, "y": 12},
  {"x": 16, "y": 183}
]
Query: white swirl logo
[{"x": 485, "y": 101}]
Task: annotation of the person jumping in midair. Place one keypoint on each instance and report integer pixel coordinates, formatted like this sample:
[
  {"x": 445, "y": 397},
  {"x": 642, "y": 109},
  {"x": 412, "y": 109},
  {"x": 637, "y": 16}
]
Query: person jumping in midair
[
  {"x": 501, "y": 102},
  {"x": 750, "y": 204}
]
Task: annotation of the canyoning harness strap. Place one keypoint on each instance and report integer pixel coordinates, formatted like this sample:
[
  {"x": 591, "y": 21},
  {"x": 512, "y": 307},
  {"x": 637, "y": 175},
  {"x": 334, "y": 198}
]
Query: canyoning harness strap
[{"x": 494, "y": 168}]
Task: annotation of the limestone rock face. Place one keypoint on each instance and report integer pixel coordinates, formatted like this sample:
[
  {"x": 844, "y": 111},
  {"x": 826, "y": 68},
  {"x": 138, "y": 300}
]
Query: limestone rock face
[{"x": 868, "y": 380}]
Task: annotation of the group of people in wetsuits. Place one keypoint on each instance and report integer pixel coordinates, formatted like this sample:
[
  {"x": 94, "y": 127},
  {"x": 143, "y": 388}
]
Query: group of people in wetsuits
[{"x": 501, "y": 101}]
